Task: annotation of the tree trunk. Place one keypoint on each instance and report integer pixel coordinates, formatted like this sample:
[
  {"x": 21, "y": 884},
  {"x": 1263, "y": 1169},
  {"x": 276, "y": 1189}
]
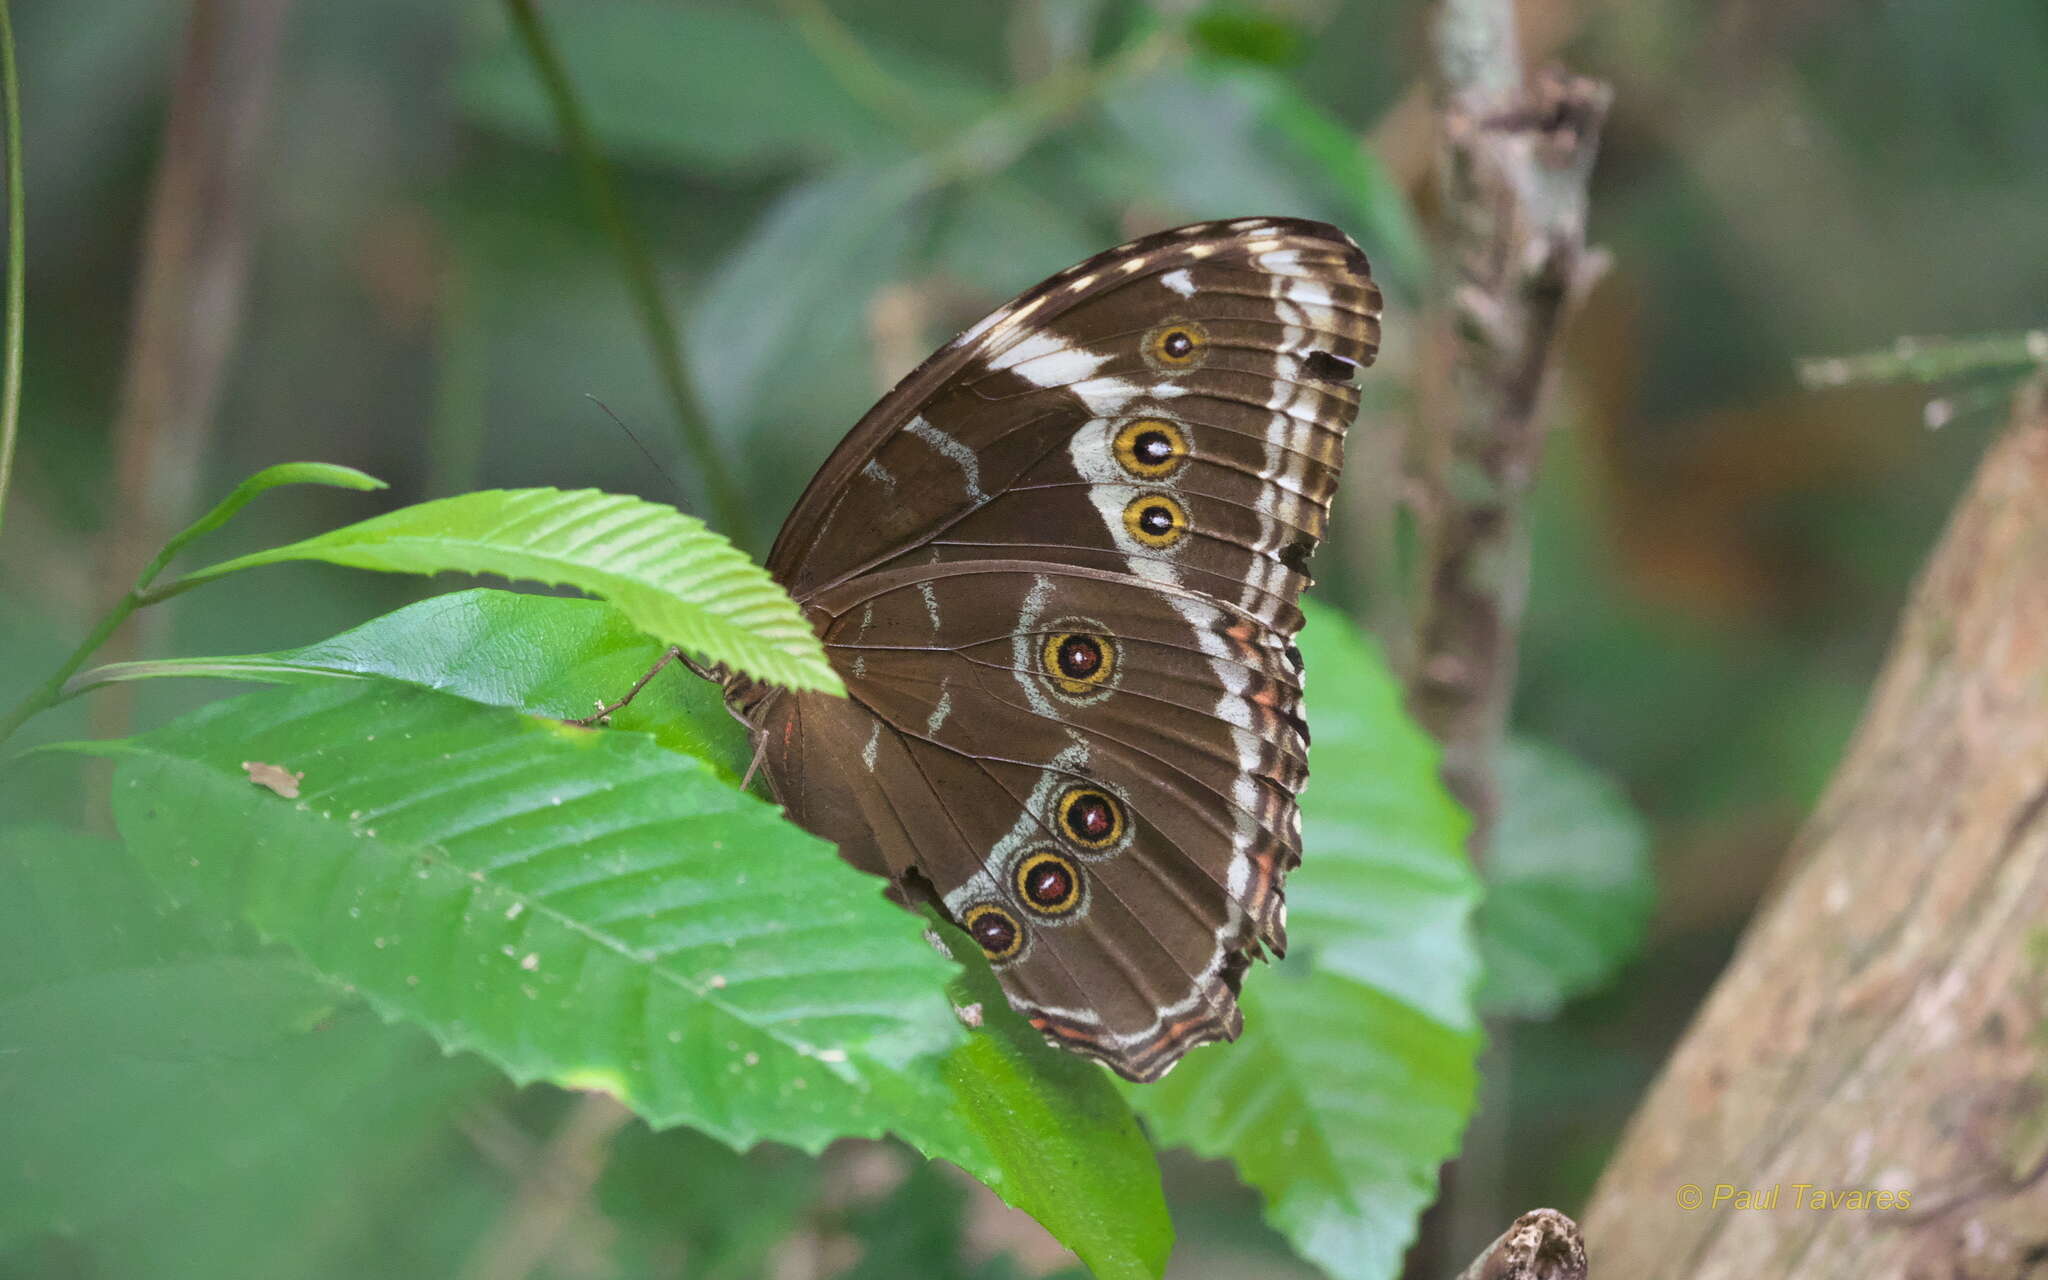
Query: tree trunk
[{"x": 1884, "y": 1025}]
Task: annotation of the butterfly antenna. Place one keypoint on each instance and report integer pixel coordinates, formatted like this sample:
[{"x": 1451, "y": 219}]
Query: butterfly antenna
[{"x": 645, "y": 452}]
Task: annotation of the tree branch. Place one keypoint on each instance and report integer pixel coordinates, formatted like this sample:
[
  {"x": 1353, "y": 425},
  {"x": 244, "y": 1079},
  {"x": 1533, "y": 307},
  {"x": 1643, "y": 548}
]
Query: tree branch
[
  {"x": 1884, "y": 1024},
  {"x": 1542, "y": 1244},
  {"x": 1514, "y": 158},
  {"x": 1514, "y": 155}
]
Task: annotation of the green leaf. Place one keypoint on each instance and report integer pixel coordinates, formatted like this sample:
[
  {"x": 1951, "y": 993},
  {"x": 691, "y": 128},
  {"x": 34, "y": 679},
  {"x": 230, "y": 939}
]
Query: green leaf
[
  {"x": 1354, "y": 1076},
  {"x": 794, "y": 296},
  {"x": 176, "y": 1109},
  {"x": 576, "y": 905},
  {"x": 704, "y": 88},
  {"x": 73, "y": 905},
  {"x": 566, "y": 903},
  {"x": 1569, "y": 886},
  {"x": 545, "y": 655},
  {"x": 322, "y": 473},
  {"x": 676, "y": 579},
  {"x": 1338, "y": 1109},
  {"x": 1246, "y": 35},
  {"x": 1002, "y": 1104},
  {"x": 1060, "y": 1141},
  {"x": 1070, "y": 1151},
  {"x": 130, "y": 1100}
]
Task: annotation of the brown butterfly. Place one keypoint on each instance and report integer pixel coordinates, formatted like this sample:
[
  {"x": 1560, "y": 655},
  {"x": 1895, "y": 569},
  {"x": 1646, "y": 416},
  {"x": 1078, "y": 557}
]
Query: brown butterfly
[{"x": 1057, "y": 569}]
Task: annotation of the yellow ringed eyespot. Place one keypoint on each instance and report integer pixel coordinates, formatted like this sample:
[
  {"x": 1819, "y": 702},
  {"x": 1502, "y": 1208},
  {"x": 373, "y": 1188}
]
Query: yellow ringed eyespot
[
  {"x": 1150, "y": 448},
  {"x": 994, "y": 930},
  {"x": 1091, "y": 817},
  {"x": 1078, "y": 663},
  {"x": 1155, "y": 520},
  {"x": 1048, "y": 883},
  {"x": 1178, "y": 344}
]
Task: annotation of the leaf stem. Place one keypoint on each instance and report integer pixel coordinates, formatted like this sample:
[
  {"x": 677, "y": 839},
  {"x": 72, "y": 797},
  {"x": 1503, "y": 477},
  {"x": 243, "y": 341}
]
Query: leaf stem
[
  {"x": 52, "y": 691},
  {"x": 1928, "y": 360},
  {"x": 666, "y": 346},
  {"x": 10, "y": 356}
]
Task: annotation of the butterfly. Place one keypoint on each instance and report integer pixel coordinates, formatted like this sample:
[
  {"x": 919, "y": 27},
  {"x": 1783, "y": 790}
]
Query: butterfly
[{"x": 1057, "y": 570}]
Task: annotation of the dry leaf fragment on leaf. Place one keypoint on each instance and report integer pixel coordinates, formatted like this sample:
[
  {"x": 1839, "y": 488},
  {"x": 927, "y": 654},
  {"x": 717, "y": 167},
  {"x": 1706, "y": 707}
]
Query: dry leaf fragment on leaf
[{"x": 274, "y": 776}]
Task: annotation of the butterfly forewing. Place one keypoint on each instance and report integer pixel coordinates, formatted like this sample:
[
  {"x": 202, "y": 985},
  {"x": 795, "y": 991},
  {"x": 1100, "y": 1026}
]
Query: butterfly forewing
[{"x": 1057, "y": 569}]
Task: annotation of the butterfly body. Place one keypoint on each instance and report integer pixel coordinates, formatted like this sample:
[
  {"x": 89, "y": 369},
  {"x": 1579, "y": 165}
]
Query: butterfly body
[{"x": 1057, "y": 569}]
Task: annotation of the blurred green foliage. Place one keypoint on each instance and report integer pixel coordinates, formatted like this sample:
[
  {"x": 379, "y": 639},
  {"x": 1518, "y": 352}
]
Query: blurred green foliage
[{"x": 831, "y": 191}]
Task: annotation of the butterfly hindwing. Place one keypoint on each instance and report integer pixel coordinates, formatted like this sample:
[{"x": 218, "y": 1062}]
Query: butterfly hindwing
[{"x": 1057, "y": 569}]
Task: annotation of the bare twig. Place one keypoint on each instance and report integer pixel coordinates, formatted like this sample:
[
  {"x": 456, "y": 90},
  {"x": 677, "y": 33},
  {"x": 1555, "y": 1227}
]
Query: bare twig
[
  {"x": 1542, "y": 1244},
  {"x": 1514, "y": 158},
  {"x": 188, "y": 302}
]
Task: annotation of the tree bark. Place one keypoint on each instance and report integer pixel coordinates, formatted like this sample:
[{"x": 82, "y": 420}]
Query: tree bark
[
  {"x": 1516, "y": 155},
  {"x": 1542, "y": 1244},
  {"x": 1884, "y": 1024}
]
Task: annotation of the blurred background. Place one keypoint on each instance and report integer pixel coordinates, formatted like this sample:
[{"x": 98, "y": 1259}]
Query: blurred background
[{"x": 829, "y": 191}]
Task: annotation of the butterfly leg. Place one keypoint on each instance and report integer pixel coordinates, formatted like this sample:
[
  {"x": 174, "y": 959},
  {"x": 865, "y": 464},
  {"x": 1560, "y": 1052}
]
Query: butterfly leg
[
  {"x": 604, "y": 712},
  {"x": 753, "y": 767}
]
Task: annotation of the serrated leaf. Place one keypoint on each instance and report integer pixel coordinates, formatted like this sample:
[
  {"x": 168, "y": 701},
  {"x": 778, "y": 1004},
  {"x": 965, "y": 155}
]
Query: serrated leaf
[
  {"x": 1044, "y": 1129},
  {"x": 1070, "y": 1150},
  {"x": 1569, "y": 886},
  {"x": 1338, "y": 1105},
  {"x": 1354, "y": 1076},
  {"x": 676, "y": 579},
  {"x": 576, "y": 905},
  {"x": 1385, "y": 894},
  {"x": 566, "y": 903},
  {"x": 544, "y": 655}
]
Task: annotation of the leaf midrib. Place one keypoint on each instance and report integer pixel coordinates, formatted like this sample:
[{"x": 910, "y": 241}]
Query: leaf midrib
[{"x": 444, "y": 861}]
